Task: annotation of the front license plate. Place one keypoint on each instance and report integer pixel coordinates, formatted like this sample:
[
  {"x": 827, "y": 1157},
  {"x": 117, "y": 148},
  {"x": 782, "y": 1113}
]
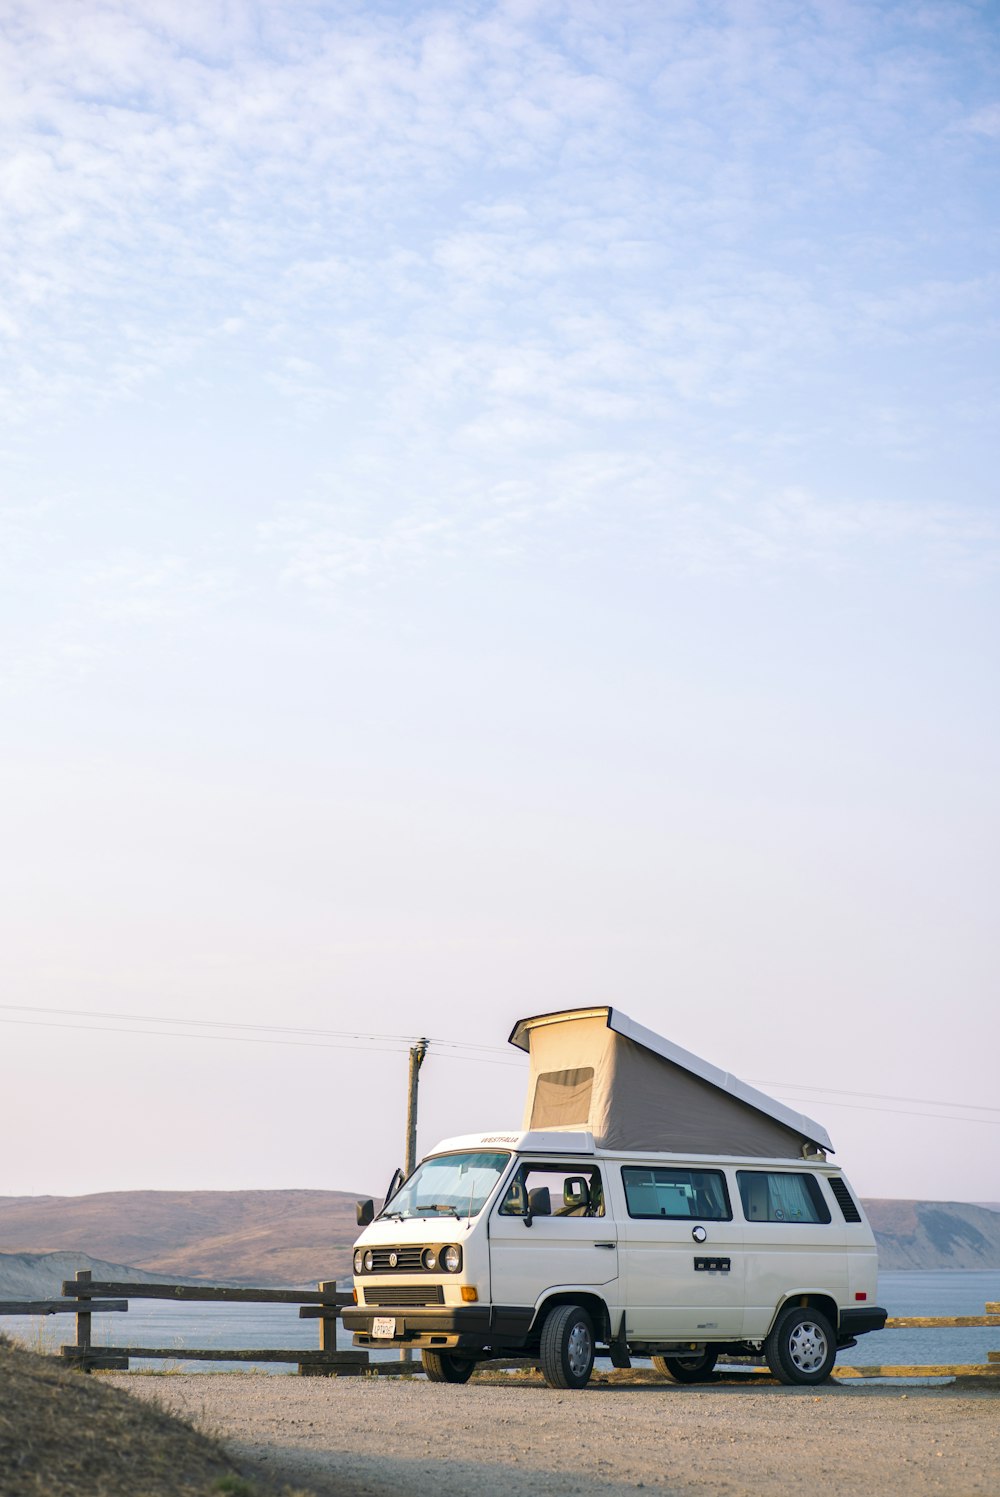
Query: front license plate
[{"x": 384, "y": 1327}]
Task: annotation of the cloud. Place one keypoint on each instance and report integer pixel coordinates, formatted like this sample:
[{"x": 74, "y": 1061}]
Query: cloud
[
  {"x": 496, "y": 274},
  {"x": 984, "y": 121}
]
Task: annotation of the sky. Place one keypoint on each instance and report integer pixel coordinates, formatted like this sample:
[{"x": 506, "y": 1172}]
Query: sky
[{"x": 497, "y": 513}]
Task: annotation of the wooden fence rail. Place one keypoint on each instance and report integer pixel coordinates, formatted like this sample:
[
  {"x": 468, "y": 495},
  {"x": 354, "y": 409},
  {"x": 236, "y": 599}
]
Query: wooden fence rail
[
  {"x": 991, "y": 1368},
  {"x": 85, "y": 1297},
  {"x": 88, "y": 1295}
]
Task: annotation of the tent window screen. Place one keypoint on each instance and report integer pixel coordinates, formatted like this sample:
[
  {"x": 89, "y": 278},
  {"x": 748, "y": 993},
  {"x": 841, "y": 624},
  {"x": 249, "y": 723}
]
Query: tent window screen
[
  {"x": 562, "y": 1097},
  {"x": 771, "y": 1197},
  {"x": 677, "y": 1194}
]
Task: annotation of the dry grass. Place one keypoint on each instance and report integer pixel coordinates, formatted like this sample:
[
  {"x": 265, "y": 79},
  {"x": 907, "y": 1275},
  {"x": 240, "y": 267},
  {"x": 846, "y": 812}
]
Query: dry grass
[{"x": 63, "y": 1434}]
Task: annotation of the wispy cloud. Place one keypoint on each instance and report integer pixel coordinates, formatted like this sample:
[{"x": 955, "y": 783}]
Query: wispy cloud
[{"x": 505, "y": 271}]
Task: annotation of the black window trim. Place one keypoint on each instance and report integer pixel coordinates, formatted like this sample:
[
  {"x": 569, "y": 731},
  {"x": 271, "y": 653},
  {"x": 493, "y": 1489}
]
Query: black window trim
[{"x": 677, "y": 1169}]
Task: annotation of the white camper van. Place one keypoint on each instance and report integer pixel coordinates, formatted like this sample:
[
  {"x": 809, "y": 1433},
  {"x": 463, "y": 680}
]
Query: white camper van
[{"x": 651, "y": 1206}]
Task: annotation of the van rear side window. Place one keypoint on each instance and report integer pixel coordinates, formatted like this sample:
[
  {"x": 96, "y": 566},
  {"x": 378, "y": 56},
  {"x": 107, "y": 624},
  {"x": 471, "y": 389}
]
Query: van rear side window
[
  {"x": 677, "y": 1195},
  {"x": 773, "y": 1196}
]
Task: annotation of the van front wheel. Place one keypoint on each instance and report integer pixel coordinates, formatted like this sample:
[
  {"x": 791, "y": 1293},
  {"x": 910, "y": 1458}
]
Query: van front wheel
[
  {"x": 567, "y": 1350},
  {"x": 693, "y": 1369},
  {"x": 443, "y": 1367},
  {"x": 801, "y": 1348}
]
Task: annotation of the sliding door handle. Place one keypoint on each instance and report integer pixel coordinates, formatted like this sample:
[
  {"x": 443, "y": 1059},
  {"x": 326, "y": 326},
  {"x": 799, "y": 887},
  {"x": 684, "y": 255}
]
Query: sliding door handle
[{"x": 606, "y": 1244}]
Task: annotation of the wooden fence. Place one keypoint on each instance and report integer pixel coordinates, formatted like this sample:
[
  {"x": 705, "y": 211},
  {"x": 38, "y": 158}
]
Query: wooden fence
[
  {"x": 991, "y": 1368},
  {"x": 85, "y": 1297}
]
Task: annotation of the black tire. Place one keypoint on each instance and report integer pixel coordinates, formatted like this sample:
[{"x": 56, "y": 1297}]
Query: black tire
[
  {"x": 567, "y": 1349},
  {"x": 697, "y": 1368},
  {"x": 801, "y": 1348},
  {"x": 445, "y": 1367}
]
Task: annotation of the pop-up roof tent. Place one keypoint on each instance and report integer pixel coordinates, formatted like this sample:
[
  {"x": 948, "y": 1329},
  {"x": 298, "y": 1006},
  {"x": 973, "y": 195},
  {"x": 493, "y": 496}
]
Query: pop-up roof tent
[{"x": 595, "y": 1068}]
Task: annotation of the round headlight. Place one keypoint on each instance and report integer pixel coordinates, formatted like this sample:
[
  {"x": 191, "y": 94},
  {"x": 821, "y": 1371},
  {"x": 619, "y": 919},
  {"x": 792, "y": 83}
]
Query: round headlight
[
  {"x": 452, "y": 1259},
  {"x": 359, "y": 1261},
  {"x": 429, "y": 1259},
  {"x": 369, "y": 1261}
]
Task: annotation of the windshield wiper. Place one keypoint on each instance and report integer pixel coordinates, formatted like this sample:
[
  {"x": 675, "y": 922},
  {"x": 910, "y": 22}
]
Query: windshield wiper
[{"x": 440, "y": 1206}]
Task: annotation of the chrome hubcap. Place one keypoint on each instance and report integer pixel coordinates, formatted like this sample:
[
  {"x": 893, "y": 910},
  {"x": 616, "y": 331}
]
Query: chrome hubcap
[
  {"x": 579, "y": 1349},
  {"x": 807, "y": 1346}
]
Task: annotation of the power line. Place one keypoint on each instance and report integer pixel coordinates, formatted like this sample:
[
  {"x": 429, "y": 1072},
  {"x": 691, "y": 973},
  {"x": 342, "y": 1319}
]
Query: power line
[
  {"x": 86, "y": 1013},
  {"x": 249, "y": 1039},
  {"x": 189, "y": 1023},
  {"x": 339, "y": 1039},
  {"x": 840, "y": 1091},
  {"x": 897, "y": 1112}
]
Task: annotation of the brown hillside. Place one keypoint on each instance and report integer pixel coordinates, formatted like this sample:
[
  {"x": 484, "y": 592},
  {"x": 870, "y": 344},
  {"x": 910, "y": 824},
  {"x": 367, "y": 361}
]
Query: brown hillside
[
  {"x": 62, "y": 1434},
  {"x": 935, "y": 1234},
  {"x": 301, "y": 1236},
  {"x": 892, "y": 1218},
  {"x": 241, "y": 1236}
]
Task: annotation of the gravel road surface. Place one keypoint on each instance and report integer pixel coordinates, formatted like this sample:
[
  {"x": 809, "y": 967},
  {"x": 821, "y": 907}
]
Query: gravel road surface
[{"x": 346, "y": 1437}]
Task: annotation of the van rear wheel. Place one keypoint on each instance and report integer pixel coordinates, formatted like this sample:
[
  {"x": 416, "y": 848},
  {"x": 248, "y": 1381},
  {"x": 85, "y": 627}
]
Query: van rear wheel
[
  {"x": 697, "y": 1368},
  {"x": 567, "y": 1349},
  {"x": 801, "y": 1348},
  {"x": 445, "y": 1367}
]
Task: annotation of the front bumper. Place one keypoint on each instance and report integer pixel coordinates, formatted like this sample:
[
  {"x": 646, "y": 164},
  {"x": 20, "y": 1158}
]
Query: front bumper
[{"x": 465, "y": 1327}]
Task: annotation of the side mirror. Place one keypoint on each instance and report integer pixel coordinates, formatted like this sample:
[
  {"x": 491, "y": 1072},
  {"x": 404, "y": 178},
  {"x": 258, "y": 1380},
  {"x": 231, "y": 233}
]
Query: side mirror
[
  {"x": 576, "y": 1196},
  {"x": 539, "y": 1204},
  {"x": 365, "y": 1213},
  {"x": 397, "y": 1180}
]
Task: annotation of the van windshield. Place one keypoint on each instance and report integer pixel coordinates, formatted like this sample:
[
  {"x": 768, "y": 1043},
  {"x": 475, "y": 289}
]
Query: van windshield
[{"x": 452, "y": 1185}]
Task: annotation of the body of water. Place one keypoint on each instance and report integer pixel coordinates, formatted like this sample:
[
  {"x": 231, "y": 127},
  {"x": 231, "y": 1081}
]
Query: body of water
[
  {"x": 939, "y": 1293},
  {"x": 161, "y": 1324}
]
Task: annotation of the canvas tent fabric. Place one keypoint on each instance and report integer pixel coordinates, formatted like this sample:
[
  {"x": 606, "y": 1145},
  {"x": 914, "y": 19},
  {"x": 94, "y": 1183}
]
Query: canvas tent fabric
[{"x": 597, "y": 1069}]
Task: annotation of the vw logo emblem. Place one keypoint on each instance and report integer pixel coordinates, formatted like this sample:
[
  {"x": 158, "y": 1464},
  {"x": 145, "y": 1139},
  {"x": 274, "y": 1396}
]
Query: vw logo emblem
[{"x": 393, "y": 1259}]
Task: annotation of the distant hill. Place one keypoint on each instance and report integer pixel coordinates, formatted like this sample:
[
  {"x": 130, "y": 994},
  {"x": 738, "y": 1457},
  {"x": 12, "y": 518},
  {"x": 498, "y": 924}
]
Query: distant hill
[
  {"x": 935, "y": 1234},
  {"x": 273, "y": 1237},
  {"x": 41, "y": 1275},
  {"x": 266, "y": 1237}
]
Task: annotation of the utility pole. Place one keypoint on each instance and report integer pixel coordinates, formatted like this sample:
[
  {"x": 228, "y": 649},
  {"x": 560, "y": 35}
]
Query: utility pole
[{"x": 417, "y": 1053}]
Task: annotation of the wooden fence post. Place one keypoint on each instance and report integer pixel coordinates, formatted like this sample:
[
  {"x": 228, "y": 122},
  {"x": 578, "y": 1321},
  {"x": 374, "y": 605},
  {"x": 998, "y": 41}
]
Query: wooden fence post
[
  {"x": 328, "y": 1325},
  {"x": 83, "y": 1281}
]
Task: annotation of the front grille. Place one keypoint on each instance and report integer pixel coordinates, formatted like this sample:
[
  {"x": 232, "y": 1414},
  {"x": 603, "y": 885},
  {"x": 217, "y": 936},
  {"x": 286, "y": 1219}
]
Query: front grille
[
  {"x": 406, "y": 1294},
  {"x": 407, "y": 1260},
  {"x": 848, "y": 1209}
]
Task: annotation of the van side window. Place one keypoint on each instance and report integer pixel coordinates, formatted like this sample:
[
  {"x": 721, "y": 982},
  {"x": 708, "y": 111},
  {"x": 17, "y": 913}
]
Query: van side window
[
  {"x": 773, "y": 1196},
  {"x": 554, "y": 1190},
  {"x": 677, "y": 1194}
]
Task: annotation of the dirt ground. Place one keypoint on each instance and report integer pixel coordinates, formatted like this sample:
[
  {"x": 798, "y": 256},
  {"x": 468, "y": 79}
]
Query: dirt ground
[{"x": 409, "y": 1438}]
